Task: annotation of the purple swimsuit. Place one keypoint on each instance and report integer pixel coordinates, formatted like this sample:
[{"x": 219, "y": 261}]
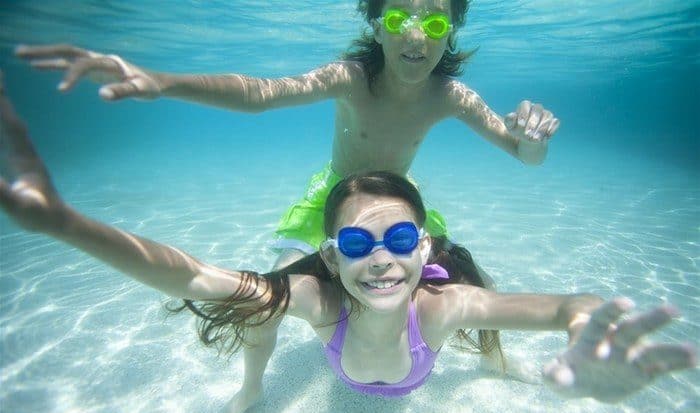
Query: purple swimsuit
[{"x": 422, "y": 356}]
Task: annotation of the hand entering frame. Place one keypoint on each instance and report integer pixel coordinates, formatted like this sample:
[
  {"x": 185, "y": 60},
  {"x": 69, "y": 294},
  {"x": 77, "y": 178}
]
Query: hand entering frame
[
  {"x": 610, "y": 362},
  {"x": 531, "y": 123},
  {"x": 119, "y": 78}
]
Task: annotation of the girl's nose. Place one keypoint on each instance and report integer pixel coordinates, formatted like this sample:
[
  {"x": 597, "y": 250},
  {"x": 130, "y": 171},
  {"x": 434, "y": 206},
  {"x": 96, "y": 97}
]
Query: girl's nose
[{"x": 381, "y": 259}]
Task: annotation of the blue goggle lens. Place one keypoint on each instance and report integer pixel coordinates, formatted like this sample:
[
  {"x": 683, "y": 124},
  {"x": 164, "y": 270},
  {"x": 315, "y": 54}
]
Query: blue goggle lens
[{"x": 401, "y": 238}]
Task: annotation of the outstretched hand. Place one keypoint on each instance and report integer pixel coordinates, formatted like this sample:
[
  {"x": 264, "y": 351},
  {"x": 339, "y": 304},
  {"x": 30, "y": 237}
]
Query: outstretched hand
[
  {"x": 610, "y": 362},
  {"x": 26, "y": 192},
  {"x": 120, "y": 78},
  {"x": 531, "y": 122}
]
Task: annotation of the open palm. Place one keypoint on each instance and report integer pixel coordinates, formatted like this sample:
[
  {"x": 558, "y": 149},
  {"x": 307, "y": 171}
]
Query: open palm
[
  {"x": 119, "y": 78},
  {"x": 610, "y": 362}
]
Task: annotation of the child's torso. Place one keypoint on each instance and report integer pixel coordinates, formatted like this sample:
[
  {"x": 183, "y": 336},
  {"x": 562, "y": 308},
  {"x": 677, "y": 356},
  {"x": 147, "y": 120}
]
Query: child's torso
[
  {"x": 389, "y": 370},
  {"x": 378, "y": 133}
]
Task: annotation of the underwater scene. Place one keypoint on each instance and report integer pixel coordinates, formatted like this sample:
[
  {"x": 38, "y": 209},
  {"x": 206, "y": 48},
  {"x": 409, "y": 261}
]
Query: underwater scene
[{"x": 614, "y": 210}]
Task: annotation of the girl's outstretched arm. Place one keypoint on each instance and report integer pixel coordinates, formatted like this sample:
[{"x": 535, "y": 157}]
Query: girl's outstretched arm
[
  {"x": 122, "y": 79},
  {"x": 30, "y": 199},
  {"x": 606, "y": 359}
]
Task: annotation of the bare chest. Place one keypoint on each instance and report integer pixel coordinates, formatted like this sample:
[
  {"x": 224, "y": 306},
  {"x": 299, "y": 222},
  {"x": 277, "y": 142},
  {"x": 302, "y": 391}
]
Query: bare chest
[
  {"x": 385, "y": 121},
  {"x": 380, "y": 134}
]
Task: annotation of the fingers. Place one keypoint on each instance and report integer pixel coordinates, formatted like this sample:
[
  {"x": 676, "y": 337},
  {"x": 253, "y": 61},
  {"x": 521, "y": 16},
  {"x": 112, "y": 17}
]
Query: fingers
[
  {"x": 541, "y": 129},
  {"x": 76, "y": 62},
  {"x": 559, "y": 373},
  {"x": 116, "y": 91},
  {"x": 533, "y": 121},
  {"x": 77, "y": 70},
  {"x": 630, "y": 331},
  {"x": 122, "y": 78},
  {"x": 653, "y": 359},
  {"x": 602, "y": 320},
  {"x": 511, "y": 120},
  {"x": 662, "y": 358},
  {"x": 547, "y": 128},
  {"x": 63, "y": 51},
  {"x": 50, "y": 64},
  {"x": 523, "y": 112}
]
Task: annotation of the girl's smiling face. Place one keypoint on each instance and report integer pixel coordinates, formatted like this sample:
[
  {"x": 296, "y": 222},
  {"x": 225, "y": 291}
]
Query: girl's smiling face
[
  {"x": 411, "y": 56},
  {"x": 381, "y": 280}
]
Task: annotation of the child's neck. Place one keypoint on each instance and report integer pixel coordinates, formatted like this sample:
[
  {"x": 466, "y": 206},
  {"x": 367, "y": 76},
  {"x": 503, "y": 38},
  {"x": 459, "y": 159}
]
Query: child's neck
[
  {"x": 375, "y": 327},
  {"x": 396, "y": 89}
]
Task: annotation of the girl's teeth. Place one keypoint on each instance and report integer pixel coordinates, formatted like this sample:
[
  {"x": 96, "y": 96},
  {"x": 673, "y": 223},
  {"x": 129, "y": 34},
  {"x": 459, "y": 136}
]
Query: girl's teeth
[{"x": 382, "y": 284}]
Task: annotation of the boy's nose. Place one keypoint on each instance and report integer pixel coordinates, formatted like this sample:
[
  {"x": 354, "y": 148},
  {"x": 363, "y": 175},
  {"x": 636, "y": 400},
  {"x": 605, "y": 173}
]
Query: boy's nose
[{"x": 415, "y": 34}]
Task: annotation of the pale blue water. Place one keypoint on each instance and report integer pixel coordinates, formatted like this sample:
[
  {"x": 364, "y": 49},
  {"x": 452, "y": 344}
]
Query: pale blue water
[{"x": 615, "y": 210}]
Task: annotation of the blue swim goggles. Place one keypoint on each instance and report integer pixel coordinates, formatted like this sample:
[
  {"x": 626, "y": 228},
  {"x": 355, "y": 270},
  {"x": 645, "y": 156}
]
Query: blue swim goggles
[{"x": 354, "y": 242}]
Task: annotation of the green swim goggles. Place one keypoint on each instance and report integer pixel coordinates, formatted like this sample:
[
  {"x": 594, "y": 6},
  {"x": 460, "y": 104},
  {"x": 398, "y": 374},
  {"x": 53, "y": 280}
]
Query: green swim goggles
[{"x": 434, "y": 25}]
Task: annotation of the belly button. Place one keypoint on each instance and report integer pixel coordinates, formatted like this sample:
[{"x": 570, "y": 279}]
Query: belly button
[{"x": 363, "y": 135}]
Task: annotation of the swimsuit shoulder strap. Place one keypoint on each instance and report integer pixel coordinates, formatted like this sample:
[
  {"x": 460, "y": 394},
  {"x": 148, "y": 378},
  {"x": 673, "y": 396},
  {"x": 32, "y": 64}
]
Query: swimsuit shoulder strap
[
  {"x": 414, "y": 336},
  {"x": 338, "y": 338}
]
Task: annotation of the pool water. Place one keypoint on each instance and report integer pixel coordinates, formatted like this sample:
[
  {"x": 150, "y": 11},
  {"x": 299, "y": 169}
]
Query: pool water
[{"x": 614, "y": 210}]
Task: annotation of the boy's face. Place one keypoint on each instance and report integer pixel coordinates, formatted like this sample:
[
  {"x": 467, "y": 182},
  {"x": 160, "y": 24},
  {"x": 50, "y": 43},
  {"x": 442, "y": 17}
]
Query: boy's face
[{"x": 411, "y": 55}]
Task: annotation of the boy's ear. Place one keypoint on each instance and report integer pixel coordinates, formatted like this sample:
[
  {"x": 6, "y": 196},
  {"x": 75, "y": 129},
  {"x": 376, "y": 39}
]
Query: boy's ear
[
  {"x": 329, "y": 256},
  {"x": 425, "y": 245}
]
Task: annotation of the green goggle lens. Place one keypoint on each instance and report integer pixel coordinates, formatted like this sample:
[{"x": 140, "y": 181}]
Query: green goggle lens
[
  {"x": 435, "y": 26},
  {"x": 394, "y": 20}
]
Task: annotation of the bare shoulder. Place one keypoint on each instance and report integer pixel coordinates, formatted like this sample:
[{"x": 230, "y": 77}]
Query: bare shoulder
[
  {"x": 312, "y": 299},
  {"x": 340, "y": 72},
  {"x": 441, "y": 309},
  {"x": 438, "y": 302},
  {"x": 335, "y": 79},
  {"x": 354, "y": 69}
]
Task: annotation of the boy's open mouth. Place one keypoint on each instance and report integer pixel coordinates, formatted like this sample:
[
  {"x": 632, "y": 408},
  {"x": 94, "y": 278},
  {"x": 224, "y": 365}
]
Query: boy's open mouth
[{"x": 412, "y": 57}]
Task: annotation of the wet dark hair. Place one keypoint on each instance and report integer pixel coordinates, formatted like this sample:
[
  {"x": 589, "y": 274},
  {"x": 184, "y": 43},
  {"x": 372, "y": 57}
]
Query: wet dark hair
[
  {"x": 225, "y": 323},
  {"x": 367, "y": 51}
]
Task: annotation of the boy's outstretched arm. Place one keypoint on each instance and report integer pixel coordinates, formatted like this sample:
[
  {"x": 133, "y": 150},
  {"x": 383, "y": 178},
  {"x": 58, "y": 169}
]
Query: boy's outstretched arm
[
  {"x": 122, "y": 79},
  {"x": 524, "y": 133},
  {"x": 28, "y": 196}
]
